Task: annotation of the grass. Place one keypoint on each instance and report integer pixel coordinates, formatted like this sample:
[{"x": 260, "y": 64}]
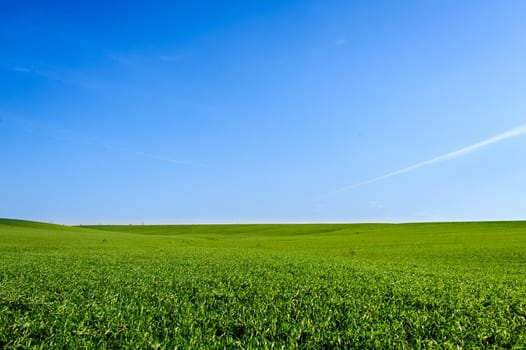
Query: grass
[{"x": 432, "y": 285}]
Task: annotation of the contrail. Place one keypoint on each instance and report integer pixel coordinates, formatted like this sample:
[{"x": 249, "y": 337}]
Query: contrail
[{"x": 518, "y": 131}]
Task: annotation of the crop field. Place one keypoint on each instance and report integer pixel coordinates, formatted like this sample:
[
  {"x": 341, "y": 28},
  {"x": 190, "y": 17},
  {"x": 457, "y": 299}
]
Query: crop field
[{"x": 381, "y": 286}]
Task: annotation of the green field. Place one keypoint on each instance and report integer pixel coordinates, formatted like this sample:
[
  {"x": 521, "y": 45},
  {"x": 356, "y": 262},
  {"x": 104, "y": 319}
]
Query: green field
[{"x": 429, "y": 285}]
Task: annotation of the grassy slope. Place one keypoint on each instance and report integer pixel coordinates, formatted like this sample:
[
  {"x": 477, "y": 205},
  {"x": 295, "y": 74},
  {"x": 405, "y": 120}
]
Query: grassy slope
[
  {"x": 363, "y": 286},
  {"x": 479, "y": 244},
  {"x": 379, "y": 241}
]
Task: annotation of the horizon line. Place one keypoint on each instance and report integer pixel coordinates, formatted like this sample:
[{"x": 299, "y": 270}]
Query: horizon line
[{"x": 393, "y": 221}]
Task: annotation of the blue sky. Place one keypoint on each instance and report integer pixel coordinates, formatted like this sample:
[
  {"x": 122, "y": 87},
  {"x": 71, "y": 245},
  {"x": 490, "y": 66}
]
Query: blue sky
[{"x": 262, "y": 111}]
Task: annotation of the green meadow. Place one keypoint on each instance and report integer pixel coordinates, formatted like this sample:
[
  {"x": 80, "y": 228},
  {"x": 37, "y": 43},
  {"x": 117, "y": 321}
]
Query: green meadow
[{"x": 312, "y": 286}]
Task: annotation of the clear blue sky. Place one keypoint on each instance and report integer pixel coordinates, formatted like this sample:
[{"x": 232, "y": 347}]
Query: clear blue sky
[{"x": 258, "y": 111}]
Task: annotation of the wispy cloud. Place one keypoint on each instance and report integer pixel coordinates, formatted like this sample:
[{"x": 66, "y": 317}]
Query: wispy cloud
[
  {"x": 170, "y": 58},
  {"x": 72, "y": 136},
  {"x": 124, "y": 60},
  {"x": 338, "y": 42},
  {"x": 518, "y": 131},
  {"x": 22, "y": 69},
  {"x": 375, "y": 205},
  {"x": 132, "y": 60},
  {"x": 61, "y": 75}
]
